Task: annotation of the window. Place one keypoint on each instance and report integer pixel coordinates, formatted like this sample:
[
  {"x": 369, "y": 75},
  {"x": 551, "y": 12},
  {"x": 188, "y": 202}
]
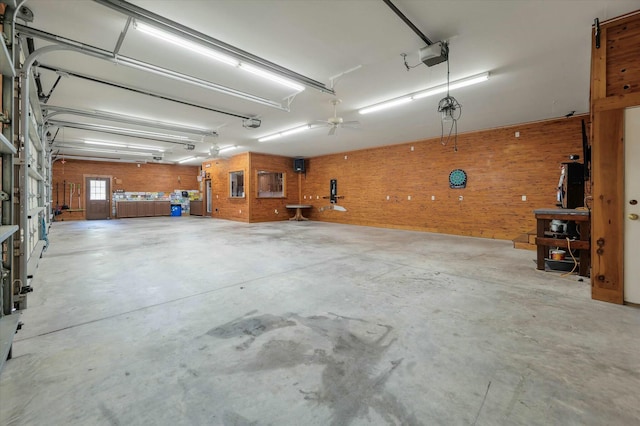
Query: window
[
  {"x": 270, "y": 184},
  {"x": 236, "y": 184},
  {"x": 98, "y": 190}
]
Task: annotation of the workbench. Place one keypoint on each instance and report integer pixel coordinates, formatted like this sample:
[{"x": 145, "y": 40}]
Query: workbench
[{"x": 545, "y": 238}]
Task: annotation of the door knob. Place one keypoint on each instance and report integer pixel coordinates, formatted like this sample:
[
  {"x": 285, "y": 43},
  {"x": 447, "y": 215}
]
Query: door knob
[{"x": 633, "y": 216}]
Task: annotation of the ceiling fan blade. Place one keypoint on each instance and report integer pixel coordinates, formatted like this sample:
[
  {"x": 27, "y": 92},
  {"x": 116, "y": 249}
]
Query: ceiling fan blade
[{"x": 332, "y": 131}]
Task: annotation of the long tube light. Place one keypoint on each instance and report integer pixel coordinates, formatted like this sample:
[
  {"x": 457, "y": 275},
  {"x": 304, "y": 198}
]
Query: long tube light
[
  {"x": 285, "y": 133},
  {"x": 227, "y": 148},
  {"x": 53, "y": 110},
  {"x": 184, "y": 160},
  {"x": 124, "y": 145},
  {"x": 210, "y": 53},
  {"x": 457, "y": 84},
  {"x": 142, "y": 134},
  {"x": 62, "y": 43},
  {"x": 106, "y": 150}
]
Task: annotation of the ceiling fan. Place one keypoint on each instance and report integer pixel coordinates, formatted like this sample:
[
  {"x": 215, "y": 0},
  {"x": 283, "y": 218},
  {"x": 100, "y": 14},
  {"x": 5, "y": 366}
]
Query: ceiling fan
[
  {"x": 335, "y": 121},
  {"x": 215, "y": 151}
]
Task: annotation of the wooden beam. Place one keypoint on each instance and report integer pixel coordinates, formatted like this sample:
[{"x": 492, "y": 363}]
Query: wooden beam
[
  {"x": 616, "y": 102},
  {"x": 608, "y": 207},
  {"x": 599, "y": 65}
]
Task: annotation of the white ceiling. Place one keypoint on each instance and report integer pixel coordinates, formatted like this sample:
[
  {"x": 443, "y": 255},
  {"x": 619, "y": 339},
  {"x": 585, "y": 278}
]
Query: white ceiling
[{"x": 537, "y": 51}]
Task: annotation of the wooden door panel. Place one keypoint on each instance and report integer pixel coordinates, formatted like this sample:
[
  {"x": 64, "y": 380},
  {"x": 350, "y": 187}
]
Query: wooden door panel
[{"x": 98, "y": 195}]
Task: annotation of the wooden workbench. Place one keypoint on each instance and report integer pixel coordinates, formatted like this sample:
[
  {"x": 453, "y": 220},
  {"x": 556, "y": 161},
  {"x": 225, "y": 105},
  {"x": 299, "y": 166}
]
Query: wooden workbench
[{"x": 543, "y": 241}]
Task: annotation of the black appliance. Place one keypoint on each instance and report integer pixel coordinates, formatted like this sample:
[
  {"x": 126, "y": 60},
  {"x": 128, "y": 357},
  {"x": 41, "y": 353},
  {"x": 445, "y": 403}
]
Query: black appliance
[{"x": 571, "y": 186}]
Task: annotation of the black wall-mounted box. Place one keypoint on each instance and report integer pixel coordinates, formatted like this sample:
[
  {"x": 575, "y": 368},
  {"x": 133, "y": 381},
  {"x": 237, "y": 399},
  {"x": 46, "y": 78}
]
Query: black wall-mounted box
[{"x": 298, "y": 165}]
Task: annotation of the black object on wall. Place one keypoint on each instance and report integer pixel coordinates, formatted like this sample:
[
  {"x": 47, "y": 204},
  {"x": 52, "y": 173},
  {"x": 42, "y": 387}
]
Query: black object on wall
[
  {"x": 573, "y": 185},
  {"x": 334, "y": 191},
  {"x": 298, "y": 165}
]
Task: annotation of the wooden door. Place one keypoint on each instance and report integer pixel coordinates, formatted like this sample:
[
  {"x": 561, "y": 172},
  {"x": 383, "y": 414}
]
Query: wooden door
[
  {"x": 97, "y": 198},
  {"x": 632, "y": 205}
]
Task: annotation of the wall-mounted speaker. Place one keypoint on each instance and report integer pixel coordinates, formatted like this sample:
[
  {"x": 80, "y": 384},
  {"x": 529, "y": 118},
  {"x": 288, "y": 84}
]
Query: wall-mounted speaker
[{"x": 298, "y": 165}]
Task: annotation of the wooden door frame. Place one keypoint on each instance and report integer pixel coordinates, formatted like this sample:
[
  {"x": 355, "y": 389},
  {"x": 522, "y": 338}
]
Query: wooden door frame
[
  {"x": 607, "y": 163},
  {"x": 206, "y": 197},
  {"x": 109, "y": 196}
]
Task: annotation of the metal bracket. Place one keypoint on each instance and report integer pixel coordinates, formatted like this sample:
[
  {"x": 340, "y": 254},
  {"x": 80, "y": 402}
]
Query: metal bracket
[{"x": 288, "y": 100}]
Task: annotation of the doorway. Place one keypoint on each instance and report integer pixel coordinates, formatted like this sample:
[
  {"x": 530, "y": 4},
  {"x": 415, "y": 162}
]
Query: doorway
[
  {"x": 208, "y": 196},
  {"x": 632, "y": 205},
  {"x": 97, "y": 198}
]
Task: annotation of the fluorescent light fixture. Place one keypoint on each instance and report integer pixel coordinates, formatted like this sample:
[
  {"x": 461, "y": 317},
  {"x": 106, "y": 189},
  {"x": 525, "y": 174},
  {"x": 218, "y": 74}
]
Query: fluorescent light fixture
[
  {"x": 184, "y": 160},
  {"x": 124, "y": 145},
  {"x": 119, "y": 145},
  {"x": 213, "y": 54},
  {"x": 457, "y": 84},
  {"x": 136, "y": 132},
  {"x": 285, "y": 133},
  {"x": 179, "y": 41},
  {"x": 269, "y": 76},
  {"x": 106, "y": 151},
  {"x": 227, "y": 148}
]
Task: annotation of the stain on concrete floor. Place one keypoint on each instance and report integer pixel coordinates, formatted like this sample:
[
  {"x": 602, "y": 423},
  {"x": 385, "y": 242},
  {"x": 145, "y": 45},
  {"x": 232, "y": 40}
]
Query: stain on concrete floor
[{"x": 355, "y": 370}]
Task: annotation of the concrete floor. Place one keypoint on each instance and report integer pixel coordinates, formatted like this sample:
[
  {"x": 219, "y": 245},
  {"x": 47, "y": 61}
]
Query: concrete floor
[{"x": 196, "y": 321}]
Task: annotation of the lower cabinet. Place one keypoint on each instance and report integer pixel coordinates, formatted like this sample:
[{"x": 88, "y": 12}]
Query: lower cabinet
[
  {"x": 196, "y": 208},
  {"x": 127, "y": 209},
  {"x": 162, "y": 208},
  {"x": 143, "y": 208}
]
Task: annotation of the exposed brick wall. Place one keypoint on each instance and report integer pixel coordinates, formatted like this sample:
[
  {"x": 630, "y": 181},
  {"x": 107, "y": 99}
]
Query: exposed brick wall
[
  {"x": 251, "y": 208},
  {"x": 500, "y": 167},
  {"x": 125, "y": 176},
  {"x": 223, "y": 206},
  {"x": 264, "y": 209}
]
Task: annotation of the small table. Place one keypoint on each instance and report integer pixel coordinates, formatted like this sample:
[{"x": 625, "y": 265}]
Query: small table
[
  {"x": 298, "y": 208},
  {"x": 545, "y": 216}
]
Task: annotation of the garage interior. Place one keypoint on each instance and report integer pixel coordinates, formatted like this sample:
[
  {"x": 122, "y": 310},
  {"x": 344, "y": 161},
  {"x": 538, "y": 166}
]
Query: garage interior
[{"x": 275, "y": 212}]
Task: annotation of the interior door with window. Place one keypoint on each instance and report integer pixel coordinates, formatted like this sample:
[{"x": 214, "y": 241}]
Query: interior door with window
[{"x": 98, "y": 198}]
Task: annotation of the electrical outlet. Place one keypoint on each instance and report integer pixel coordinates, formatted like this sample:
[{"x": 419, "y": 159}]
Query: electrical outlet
[
  {"x": 304, "y": 196},
  {"x": 317, "y": 197},
  {"x": 460, "y": 198},
  {"x": 433, "y": 198},
  {"x": 345, "y": 157},
  {"x": 524, "y": 198},
  {"x": 276, "y": 211},
  {"x": 240, "y": 211},
  {"x": 517, "y": 134},
  {"x": 409, "y": 197},
  {"x": 411, "y": 147}
]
